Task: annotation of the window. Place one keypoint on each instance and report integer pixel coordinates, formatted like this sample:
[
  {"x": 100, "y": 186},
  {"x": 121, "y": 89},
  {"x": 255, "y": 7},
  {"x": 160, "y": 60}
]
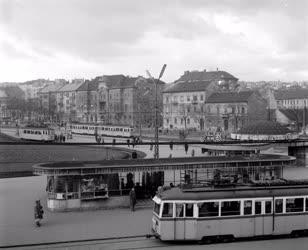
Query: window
[
  {"x": 188, "y": 98},
  {"x": 188, "y": 120},
  {"x": 195, "y": 109},
  {"x": 167, "y": 210},
  {"x": 218, "y": 109},
  {"x": 189, "y": 210},
  {"x": 258, "y": 207},
  {"x": 156, "y": 208},
  {"x": 181, "y": 121},
  {"x": 179, "y": 210},
  {"x": 230, "y": 208},
  {"x": 195, "y": 98},
  {"x": 278, "y": 206},
  {"x": 208, "y": 209},
  {"x": 201, "y": 97},
  {"x": 268, "y": 207},
  {"x": 182, "y": 98},
  {"x": 188, "y": 109},
  {"x": 175, "y": 121},
  {"x": 294, "y": 205},
  {"x": 247, "y": 207}
]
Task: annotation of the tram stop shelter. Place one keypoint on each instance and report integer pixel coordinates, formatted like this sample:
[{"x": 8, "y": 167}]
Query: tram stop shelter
[{"x": 79, "y": 185}]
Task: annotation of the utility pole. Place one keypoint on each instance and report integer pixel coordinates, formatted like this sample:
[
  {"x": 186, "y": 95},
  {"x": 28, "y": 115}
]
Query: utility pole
[{"x": 156, "y": 147}]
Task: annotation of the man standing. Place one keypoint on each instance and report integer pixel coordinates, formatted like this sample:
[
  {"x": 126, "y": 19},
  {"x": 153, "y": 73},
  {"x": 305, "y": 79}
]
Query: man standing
[
  {"x": 38, "y": 213},
  {"x": 132, "y": 199}
]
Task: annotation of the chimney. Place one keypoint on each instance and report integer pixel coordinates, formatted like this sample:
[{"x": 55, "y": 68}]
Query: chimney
[{"x": 216, "y": 69}]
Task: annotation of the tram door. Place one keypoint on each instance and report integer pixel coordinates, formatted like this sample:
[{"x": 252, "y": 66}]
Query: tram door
[
  {"x": 179, "y": 222},
  {"x": 263, "y": 223}
]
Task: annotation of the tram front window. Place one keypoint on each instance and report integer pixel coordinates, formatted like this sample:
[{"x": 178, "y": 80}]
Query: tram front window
[
  {"x": 156, "y": 208},
  {"x": 230, "y": 208},
  {"x": 167, "y": 210}
]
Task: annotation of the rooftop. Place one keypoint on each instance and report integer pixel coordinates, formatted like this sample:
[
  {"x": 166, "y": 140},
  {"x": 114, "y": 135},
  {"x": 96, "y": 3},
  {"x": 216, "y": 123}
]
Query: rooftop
[
  {"x": 298, "y": 93},
  {"x": 230, "y": 97},
  {"x": 188, "y": 87},
  {"x": 205, "y": 76}
]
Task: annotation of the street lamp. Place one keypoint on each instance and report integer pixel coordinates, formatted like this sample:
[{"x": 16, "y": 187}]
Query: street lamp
[{"x": 156, "y": 147}]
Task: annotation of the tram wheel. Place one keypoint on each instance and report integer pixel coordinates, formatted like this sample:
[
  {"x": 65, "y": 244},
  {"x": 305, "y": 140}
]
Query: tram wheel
[{"x": 207, "y": 240}]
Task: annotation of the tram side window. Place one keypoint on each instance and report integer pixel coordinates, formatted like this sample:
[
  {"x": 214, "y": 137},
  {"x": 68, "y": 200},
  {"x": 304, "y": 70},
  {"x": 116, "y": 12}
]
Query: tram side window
[
  {"x": 247, "y": 207},
  {"x": 167, "y": 210},
  {"x": 268, "y": 207},
  {"x": 179, "y": 210},
  {"x": 294, "y": 205},
  {"x": 278, "y": 206},
  {"x": 306, "y": 204},
  {"x": 156, "y": 208},
  {"x": 189, "y": 207},
  {"x": 230, "y": 208},
  {"x": 208, "y": 209},
  {"x": 258, "y": 207}
]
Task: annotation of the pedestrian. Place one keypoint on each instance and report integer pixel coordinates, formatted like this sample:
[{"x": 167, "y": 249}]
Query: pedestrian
[
  {"x": 193, "y": 153},
  {"x": 63, "y": 138},
  {"x": 132, "y": 199},
  {"x": 128, "y": 142},
  {"x": 151, "y": 146},
  {"x": 186, "y": 147},
  {"x": 170, "y": 156},
  {"x": 38, "y": 213},
  {"x": 171, "y": 145}
]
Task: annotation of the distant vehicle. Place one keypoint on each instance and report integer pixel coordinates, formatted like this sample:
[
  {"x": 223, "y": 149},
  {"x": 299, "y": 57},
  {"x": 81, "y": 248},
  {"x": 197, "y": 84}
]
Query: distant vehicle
[
  {"x": 224, "y": 214},
  {"x": 37, "y": 134},
  {"x": 101, "y": 130}
]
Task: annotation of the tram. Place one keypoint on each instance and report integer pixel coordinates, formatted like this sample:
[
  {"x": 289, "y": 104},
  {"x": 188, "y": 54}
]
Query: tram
[
  {"x": 37, "y": 134},
  {"x": 223, "y": 214},
  {"x": 101, "y": 130}
]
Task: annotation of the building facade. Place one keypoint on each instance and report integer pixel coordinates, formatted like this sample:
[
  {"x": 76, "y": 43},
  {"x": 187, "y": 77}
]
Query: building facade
[
  {"x": 184, "y": 103},
  {"x": 229, "y": 111},
  {"x": 292, "y": 98}
]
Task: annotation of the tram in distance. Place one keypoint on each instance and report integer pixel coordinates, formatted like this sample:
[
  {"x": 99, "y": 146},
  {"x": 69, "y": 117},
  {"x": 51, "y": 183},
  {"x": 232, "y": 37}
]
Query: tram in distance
[
  {"x": 37, "y": 134},
  {"x": 101, "y": 130},
  {"x": 223, "y": 214}
]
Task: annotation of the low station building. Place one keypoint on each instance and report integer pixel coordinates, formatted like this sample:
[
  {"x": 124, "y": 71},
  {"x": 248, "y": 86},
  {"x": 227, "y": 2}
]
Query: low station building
[{"x": 106, "y": 184}]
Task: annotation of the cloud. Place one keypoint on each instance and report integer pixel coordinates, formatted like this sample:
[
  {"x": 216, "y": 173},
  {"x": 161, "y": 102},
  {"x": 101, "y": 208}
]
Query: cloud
[{"x": 246, "y": 38}]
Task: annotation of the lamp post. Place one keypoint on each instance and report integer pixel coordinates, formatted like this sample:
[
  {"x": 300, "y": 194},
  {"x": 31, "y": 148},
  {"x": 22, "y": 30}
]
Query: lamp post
[{"x": 156, "y": 147}]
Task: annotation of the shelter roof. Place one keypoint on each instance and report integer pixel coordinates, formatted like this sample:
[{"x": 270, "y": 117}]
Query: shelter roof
[
  {"x": 229, "y": 97},
  {"x": 111, "y": 166},
  {"x": 296, "y": 115}
]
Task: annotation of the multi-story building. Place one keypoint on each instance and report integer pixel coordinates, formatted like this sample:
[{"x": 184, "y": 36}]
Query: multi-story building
[
  {"x": 230, "y": 111},
  {"x": 296, "y": 98},
  {"x": 4, "y": 114},
  {"x": 48, "y": 100},
  {"x": 66, "y": 101},
  {"x": 184, "y": 102}
]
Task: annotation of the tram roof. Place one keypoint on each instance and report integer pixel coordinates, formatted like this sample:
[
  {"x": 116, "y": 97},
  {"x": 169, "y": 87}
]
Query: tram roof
[
  {"x": 177, "y": 194},
  {"x": 115, "y": 166}
]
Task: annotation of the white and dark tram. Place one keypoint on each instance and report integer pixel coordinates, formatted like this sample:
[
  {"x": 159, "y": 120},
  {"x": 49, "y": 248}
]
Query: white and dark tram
[
  {"x": 101, "y": 130},
  {"x": 37, "y": 134},
  {"x": 211, "y": 215}
]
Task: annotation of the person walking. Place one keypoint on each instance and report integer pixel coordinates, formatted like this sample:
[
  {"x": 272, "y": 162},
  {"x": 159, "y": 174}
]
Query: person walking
[
  {"x": 132, "y": 199},
  {"x": 38, "y": 213}
]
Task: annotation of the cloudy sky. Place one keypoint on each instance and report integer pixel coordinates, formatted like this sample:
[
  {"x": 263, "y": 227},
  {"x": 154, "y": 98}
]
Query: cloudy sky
[{"x": 253, "y": 40}]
